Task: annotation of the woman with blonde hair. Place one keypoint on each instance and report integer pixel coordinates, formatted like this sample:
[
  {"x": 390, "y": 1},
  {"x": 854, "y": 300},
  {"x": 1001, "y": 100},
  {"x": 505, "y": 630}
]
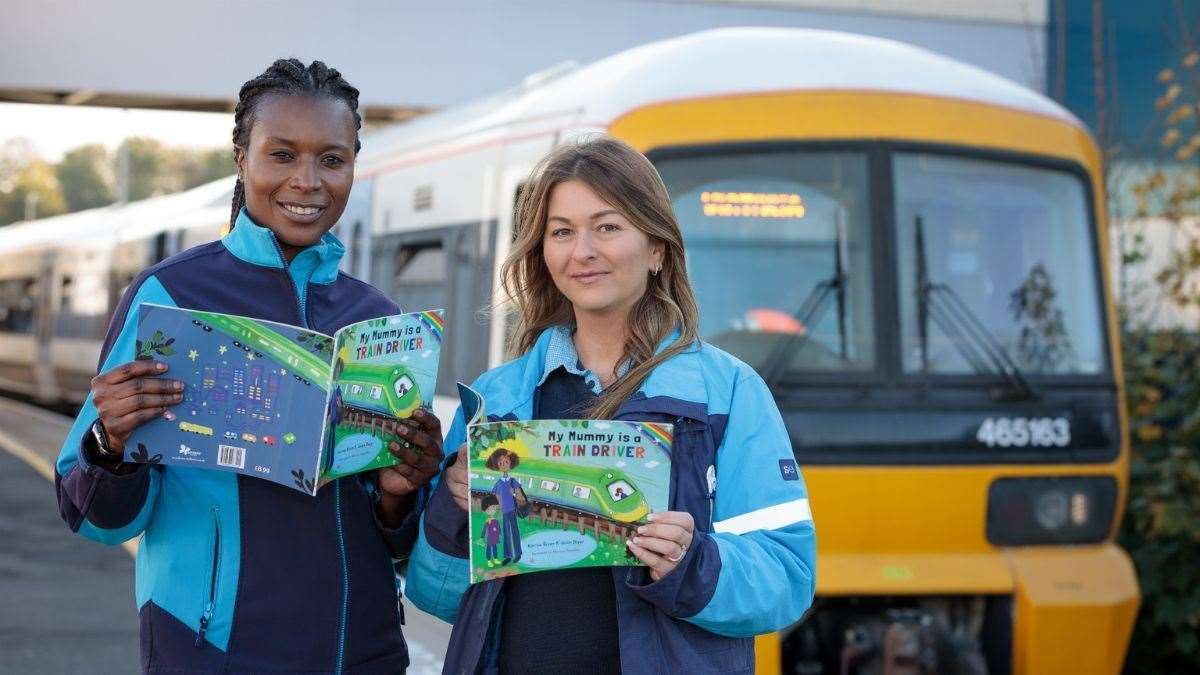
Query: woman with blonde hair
[{"x": 607, "y": 328}]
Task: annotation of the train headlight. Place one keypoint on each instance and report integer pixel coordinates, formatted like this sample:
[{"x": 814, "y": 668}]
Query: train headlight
[{"x": 1050, "y": 510}]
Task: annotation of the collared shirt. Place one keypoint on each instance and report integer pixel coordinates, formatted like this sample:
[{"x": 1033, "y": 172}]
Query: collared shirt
[{"x": 561, "y": 353}]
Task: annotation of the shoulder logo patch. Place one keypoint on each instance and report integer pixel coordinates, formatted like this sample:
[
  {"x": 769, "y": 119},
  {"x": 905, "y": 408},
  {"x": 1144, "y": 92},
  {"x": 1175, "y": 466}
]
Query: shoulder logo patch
[{"x": 788, "y": 469}]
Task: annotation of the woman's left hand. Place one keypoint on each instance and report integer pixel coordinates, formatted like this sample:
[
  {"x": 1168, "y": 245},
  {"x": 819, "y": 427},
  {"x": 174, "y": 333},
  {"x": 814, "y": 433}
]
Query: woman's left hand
[
  {"x": 419, "y": 463},
  {"x": 663, "y": 541}
]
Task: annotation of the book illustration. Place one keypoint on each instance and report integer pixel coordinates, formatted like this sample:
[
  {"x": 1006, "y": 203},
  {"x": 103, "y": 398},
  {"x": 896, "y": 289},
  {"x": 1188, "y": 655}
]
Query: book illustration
[
  {"x": 383, "y": 370},
  {"x": 262, "y": 399},
  {"x": 558, "y": 494}
]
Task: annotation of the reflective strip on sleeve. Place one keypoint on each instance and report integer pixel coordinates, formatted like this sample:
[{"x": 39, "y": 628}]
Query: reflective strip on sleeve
[{"x": 770, "y": 518}]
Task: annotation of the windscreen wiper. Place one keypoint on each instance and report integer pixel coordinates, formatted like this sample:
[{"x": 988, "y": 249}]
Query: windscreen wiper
[
  {"x": 945, "y": 307},
  {"x": 812, "y": 310}
]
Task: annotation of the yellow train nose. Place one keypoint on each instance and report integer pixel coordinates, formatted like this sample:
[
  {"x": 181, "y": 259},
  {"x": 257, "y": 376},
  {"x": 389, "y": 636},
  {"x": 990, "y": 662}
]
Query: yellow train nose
[{"x": 633, "y": 515}]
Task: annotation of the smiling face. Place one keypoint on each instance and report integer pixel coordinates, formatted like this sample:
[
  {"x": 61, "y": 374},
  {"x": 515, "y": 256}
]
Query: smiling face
[
  {"x": 597, "y": 258},
  {"x": 298, "y": 167}
]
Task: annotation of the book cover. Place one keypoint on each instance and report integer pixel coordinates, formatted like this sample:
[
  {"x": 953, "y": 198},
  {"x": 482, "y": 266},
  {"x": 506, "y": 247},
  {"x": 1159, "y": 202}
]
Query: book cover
[
  {"x": 284, "y": 403},
  {"x": 560, "y": 494}
]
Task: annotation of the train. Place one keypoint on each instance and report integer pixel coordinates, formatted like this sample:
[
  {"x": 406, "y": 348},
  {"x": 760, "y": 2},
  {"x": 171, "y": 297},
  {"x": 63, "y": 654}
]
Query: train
[
  {"x": 605, "y": 493},
  {"x": 909, "y": 250},
  {"x": 388, "y": 390}
]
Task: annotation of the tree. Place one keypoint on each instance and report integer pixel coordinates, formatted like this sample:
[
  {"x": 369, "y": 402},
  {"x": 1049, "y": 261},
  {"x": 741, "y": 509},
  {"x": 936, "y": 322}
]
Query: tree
[
  {"x": 197, "y": 167},
  {"x": 86, "y": 177},
  {"x": 149, "y": 171},
  {"x": 1161, "y": 530},
  {"x": 33, "y": 191}
]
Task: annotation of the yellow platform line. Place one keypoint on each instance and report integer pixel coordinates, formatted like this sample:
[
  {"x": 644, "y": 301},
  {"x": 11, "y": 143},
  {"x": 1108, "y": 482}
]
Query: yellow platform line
[{"x": 41, "y": 465}]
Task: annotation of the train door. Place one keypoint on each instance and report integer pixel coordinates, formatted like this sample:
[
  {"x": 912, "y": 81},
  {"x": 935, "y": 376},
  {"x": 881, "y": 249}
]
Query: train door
[
  {"x": 445, "y": 267},
  {"x": 22, "y": 322},
  {"x": 352, "y": 228}
]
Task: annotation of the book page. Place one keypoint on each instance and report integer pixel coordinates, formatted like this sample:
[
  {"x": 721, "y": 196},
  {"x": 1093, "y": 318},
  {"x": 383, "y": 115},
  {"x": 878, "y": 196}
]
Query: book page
[
  {"x": 254, "y": 395},
  {"x": 559, "y": 494},
  {"x": 383, "y": 370}
]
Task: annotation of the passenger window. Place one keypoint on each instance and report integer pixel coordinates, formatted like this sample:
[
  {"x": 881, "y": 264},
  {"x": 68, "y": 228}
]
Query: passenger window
[{"x": 18, "y": 299}]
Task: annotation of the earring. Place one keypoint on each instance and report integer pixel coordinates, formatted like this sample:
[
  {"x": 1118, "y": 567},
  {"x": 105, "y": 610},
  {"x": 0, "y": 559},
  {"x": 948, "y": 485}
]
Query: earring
[{"x": 654, "y": 272}]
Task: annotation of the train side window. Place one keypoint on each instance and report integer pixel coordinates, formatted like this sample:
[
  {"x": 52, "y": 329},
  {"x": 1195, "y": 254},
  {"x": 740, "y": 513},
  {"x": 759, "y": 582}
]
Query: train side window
[
  {"x": 64, "y": 296},
  {"x": 356, "y": 389},
  {"x": 619, "y": 489},
  {"x": 18, "y": 298},
  {"x": 420, "y": 277},
  {"x": 403, "y": 385},
  {"x": 581, "y": 492},
  {"x": 550, "y": 485},
  {"x": 376, "y": 392}
]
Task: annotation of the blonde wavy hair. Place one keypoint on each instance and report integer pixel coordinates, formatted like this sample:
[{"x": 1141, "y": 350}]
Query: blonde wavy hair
[{"x": 628, "y": 182}]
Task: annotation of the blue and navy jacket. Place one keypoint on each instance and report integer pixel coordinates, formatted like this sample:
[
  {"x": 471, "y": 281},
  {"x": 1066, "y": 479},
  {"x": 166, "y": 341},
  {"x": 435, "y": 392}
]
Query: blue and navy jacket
[
  {"x": 236, "y": 574},
  {"x": 749, "y": 569}
]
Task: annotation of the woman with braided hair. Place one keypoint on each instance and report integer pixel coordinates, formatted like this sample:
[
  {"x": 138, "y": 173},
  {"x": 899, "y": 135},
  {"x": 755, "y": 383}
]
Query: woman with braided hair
[{"x": 236, "y": 574}]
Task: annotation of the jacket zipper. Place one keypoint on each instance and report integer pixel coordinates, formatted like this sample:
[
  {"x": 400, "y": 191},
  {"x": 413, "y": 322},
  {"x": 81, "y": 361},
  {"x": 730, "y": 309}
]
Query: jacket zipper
[
  {"x": 300, "y": 298},
  {"x": 337, "y": 486},
  {"x": 206, "y": 616},
  {"x": 337, "y": 491}
]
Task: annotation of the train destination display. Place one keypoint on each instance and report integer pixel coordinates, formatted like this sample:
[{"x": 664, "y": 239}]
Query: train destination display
[
  {"x": 558, "y": 494},
  {"x": 285, "y": 403}
]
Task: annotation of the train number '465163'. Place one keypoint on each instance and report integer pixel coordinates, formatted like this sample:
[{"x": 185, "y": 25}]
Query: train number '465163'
[{"x": 1025, "y": 432}]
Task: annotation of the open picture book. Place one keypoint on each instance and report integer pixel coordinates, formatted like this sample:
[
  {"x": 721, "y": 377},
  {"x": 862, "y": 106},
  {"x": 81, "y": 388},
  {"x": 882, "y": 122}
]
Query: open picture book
[
  {"x": 559, "y": 494},
  {"x": 284, "y": 403}
]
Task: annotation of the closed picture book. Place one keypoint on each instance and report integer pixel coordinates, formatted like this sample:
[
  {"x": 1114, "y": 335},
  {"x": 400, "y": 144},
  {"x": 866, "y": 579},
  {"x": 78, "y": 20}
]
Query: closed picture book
[
  {"x": 284, "y": 403},
  {"x": 559, "y": 494}
]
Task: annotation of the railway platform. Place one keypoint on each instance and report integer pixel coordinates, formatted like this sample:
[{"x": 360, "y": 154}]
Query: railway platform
[{"x": 66, "y": 603}]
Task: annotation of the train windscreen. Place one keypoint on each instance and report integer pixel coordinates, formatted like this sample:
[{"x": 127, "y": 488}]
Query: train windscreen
[
  {"x": 998, "y": 250},
  {"x": 779, "y": 252}
]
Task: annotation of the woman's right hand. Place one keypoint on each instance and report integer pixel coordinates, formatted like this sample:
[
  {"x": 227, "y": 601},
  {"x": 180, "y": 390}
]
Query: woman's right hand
[
  {"x": 457, "y": 481},
  {"x": 130, "y": 395}
]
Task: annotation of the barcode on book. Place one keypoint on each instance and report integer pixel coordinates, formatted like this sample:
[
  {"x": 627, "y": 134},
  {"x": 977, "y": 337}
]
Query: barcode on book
[{"x": 228, "y": 455}]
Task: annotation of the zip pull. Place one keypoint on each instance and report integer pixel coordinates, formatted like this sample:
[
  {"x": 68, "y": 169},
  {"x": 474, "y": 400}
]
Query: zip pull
[
  {"x": 204, "y": 619},
  {"x": 711, "y": 476}
]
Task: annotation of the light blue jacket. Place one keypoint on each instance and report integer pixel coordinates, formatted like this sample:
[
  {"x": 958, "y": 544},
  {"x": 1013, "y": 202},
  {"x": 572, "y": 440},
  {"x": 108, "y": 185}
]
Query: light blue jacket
[{"x": 749, "y": 569}]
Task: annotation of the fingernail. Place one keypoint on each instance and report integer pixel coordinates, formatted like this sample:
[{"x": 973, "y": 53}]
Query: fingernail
[
  {"x": 178, "y": 386},
  {"x": 651, "y": 517},
  {"x": 636, "y": 540},
  {"x": 642, "y": 529},
  {"x": 160, "y": 366}
]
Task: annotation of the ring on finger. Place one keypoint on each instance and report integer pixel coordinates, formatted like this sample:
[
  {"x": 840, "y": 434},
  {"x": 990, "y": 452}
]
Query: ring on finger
[{"x": 682, "y": 550}]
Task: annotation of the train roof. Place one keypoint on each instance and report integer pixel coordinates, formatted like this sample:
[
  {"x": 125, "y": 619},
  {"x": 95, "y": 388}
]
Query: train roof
[
  {"x": 712, "y": 63},
  {"x": 202, "y": 205}
]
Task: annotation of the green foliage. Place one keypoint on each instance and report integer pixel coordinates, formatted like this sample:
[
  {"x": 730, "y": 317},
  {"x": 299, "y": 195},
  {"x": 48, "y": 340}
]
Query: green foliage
[
  {"x": 86, "y": 177},
  {"x": 90, "y": 176},
  {"x": 197, "y": 167},
  {"x": 1161, "y": 529},
  {"x": 148, "y": 171},
  {"x": 34, "y": 188},
  {"x": 158, "y": 344}
]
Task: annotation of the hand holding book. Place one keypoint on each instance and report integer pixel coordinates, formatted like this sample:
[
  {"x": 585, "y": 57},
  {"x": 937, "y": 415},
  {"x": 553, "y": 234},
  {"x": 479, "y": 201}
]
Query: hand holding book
[{"x": 662, "y": 543}]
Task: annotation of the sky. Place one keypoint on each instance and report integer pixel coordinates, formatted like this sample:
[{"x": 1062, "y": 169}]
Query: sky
[{"x": 55, "y": 129}]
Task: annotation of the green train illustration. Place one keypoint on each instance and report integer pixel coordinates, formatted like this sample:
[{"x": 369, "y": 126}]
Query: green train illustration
[
  {"x": 387, "y": 390},
  {"x": 603, "y": 492},
  {"x": 254, "y": 337}
]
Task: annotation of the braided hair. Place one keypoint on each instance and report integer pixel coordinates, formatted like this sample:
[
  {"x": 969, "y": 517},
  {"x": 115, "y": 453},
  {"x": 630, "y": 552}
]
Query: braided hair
[{"x": 288, "y": 77}]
